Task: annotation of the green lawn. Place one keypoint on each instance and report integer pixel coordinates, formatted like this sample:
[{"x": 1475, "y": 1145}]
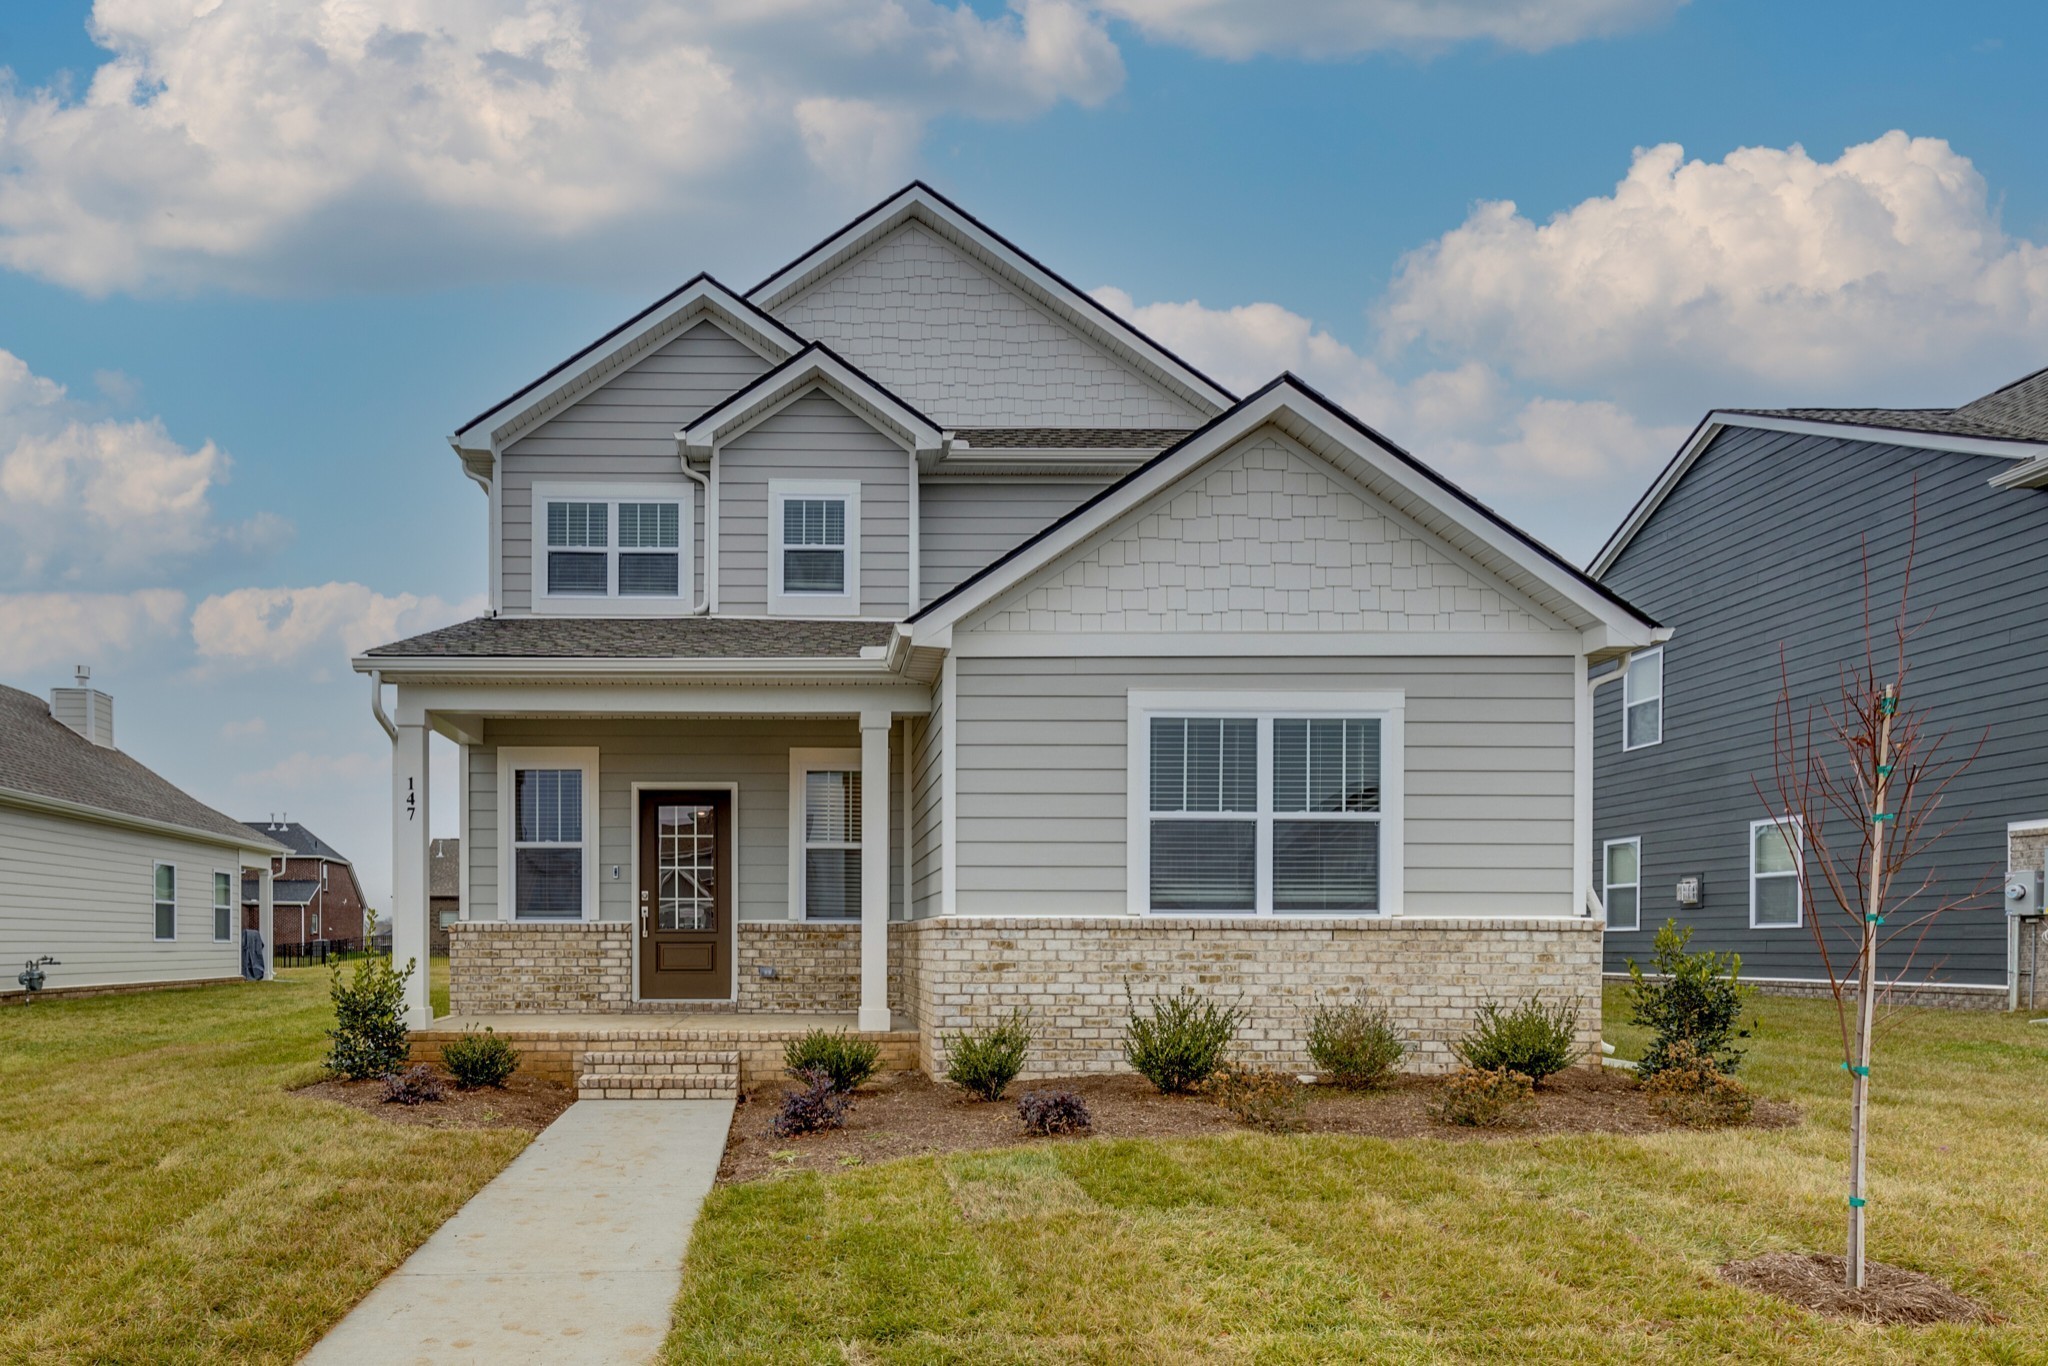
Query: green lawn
[
  {"x": 162, "y": 1199},
  {"x": 1265, "y": 1249}
]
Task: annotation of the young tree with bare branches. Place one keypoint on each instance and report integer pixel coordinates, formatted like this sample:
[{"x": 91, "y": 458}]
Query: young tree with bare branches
[{"x": 1858, "y": 784}]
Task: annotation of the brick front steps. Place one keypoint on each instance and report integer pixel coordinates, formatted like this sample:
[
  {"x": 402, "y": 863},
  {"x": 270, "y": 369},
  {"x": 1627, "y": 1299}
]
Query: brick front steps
[{"x": 656, "y": 1074}]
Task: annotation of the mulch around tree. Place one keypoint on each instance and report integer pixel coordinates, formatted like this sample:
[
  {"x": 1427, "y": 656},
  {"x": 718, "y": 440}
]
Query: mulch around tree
[
  {"x": 1890, "y": 1294},
  {"x": 905, "y": 1114},
  {"x": 524, "y": 1102}
]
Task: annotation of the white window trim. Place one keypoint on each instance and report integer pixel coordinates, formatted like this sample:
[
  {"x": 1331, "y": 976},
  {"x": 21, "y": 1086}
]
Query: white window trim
[
  {"x": 1388, "y": 708},
  {"x": 801, "y": 762},
  {"x": 1605, "y": 900},
  {"x": 1627, "y": 677},
  {"x": 234, "y": 904},
  {"x": 681, "y": 492},
  {"x": 1798, "y": 874},
  {"x": 843, "y": 604},
  {"x": 510, "y": 760},
  {"x": 176, "y": 883}
]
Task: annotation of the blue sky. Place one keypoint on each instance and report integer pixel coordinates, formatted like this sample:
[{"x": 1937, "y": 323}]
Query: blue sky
[{"x": 269, "y": 283}]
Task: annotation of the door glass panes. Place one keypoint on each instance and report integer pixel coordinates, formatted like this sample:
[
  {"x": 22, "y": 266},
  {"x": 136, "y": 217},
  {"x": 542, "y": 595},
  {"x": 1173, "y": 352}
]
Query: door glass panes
[{"x": 687, "y": 867}]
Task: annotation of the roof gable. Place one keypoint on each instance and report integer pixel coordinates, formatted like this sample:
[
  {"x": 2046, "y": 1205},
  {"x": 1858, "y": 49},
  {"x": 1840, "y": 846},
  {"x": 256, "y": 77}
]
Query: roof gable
[
  {"x": 913, "y": 274},
  {"x": 814, "y": 367}
]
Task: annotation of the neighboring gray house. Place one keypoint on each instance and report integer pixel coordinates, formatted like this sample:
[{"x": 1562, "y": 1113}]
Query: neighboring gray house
[
  {"x": 123, "y": 878},
  {"x": 1752, "y": 543},
  {"x": 909, "y": 638}
]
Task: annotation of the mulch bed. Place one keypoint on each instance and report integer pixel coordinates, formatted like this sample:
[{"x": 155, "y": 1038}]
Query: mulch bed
[
  {"x": 905, "y": 1114},
  {"x": 524, "y": 1102},
  {"x": 1890, "y": 1294}
]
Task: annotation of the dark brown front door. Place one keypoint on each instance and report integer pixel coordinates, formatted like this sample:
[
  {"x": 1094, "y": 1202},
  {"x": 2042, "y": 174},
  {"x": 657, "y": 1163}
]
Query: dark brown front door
[{"x": 685, "y": 909}]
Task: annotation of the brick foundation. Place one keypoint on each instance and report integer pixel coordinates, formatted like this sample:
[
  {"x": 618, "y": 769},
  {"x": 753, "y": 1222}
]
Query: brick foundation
[
  {"x": 817, "y": 967},
  {"x": 557, "y": 1054},
  {"x": 1432, "y": 974}
]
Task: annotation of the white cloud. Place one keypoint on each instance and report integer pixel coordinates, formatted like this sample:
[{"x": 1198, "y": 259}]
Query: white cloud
[
  {"x": 41, "y": 630},
  {"x": 244, "y": 728},
  {"x": 1338, "y": 28},
  {"x": 282, "y": 145},
  {"x": 1767, "y": 275},
  {"x": 301, "y": 771},
  {"x": 275, "y": 627},
  {"x": 85, "y": 501}
]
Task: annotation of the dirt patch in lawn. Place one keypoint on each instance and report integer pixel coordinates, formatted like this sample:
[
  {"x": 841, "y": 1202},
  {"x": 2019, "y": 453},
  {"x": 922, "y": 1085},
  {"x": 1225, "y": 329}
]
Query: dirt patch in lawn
[
  {"x": 523, "y": 1103},
  {"x": 905, "y": 1114},
  {"x": 1890, "y": 1294}
]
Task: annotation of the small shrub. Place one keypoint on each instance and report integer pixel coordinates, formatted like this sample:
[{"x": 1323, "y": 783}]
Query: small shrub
[
  {"x": 1054, "y": 1112},
  {"x": 1483, "y": 1098},
  {"x": 846, "y": 1060},
  {"x": 983, "y": 1063},
  {"x": 416, "y": 1085},
  {"x": 820, "y": 1103},
  {"x": 1181, "y": 1042},
  {"x": 1694, "y": 1000},
  {"x": 479, "y": 1059},
  {"x": 1354, "y": 1045},
  {"x": 369, "y": 1034},
  {"x": 1532, "y": 1038},
  {"x": 1691, "y": 1089},
  {"x": 1257, "y": 1097}
]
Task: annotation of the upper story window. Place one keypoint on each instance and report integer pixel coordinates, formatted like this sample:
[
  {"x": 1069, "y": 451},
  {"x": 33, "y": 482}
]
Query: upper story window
[
  {"x": 814, "y": 547},
  {"x": 1642, "y": 701},
  {"x": 612, "y": 549},
  {"x": 1777, "y": 873}
]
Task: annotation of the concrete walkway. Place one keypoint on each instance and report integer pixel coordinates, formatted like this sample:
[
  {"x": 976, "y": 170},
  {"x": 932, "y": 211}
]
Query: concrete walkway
[{"x": 572, "y": 1255}]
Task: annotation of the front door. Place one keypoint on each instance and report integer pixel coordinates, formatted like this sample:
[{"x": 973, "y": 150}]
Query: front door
[{"x": 685, "y": 892}]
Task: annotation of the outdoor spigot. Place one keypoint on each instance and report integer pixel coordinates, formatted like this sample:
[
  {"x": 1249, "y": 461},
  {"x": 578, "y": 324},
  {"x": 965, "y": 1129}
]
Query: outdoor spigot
[{"x": 31, "y": 976}]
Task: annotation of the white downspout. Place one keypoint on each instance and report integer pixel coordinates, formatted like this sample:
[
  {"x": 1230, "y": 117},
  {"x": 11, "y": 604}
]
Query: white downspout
[
  {"x": 1584, "y": 802},
  {"x": 377, "y": 704},
  {"x": 710, "y": 541}
]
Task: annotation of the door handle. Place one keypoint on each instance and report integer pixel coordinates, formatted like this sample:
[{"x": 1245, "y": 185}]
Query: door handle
[{"x": 643, "y": 920}]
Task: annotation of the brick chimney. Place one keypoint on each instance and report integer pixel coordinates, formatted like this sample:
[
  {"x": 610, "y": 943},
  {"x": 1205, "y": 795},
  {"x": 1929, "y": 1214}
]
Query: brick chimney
[{"x": 85, "y": 709}]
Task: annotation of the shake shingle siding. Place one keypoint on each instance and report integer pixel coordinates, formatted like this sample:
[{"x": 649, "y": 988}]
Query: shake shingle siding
[{"x": 1759, "y": 550}]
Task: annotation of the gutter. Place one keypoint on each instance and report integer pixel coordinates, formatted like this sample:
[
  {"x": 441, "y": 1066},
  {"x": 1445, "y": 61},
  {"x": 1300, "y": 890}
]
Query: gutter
[{"x": 869, "y": 668}]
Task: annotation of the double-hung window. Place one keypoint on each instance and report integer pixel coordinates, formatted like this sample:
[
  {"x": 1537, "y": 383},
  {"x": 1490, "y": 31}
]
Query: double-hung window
[
  {"x": 1777, "y": 871},
  {"x": 611, "y": 549},
  {"x": 825, "y": 816},
  {"x": 548, "y": 798},
  {"x": 1642, "y": 701},
  {"x": 1621, "y": 883},
  {"x": 223, "y": 907},
  {"x": 814, "y": 547},
  {"x": 166, "y": 901},
  {"x": 1257, "y": 804}
]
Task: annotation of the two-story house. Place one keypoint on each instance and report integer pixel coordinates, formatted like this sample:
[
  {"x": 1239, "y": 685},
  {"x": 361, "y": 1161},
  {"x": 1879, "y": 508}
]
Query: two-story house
[
  {"x": 1761, "y": 543},
  {"x": 315, "y": 892},
  {"x": 908, "y": 638}
]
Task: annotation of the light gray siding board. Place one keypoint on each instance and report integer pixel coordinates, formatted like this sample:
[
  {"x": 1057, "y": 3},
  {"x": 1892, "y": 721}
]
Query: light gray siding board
[
  {"x": 815, "y": 437},
  {"x": 1021, "y": 846},
  {"x": 928, "y": 804},
  {"x": 623, "y": 431},
  {"x": 1761, "y": 546},
  {"x": 963, "y": 526}
]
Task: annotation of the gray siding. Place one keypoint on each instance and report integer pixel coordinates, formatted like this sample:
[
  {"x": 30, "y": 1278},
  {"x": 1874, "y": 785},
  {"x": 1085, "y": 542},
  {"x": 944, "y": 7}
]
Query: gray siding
[
  {"x": 927, "y": 807},
  {"x": 753, "y": 754},
  {"x": 625, "y": 431},
  {"x": 1759, "y": 549},
  {"x": 1041, "y": 774},
  {"x": 963, "y": 527},
  {"x": 816, "y": 437},
  {"x": 86, "y": 894}
]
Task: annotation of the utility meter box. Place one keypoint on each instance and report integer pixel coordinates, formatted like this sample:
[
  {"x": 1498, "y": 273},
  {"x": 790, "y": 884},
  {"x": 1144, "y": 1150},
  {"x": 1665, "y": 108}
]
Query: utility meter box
[
  {"x": 2023, "y": 892},
  {"x": 1692, "y": 890}
]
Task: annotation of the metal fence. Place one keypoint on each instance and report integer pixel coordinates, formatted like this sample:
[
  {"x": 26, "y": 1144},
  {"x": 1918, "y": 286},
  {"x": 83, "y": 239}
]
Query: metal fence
[{"x": 318, "y": 952}]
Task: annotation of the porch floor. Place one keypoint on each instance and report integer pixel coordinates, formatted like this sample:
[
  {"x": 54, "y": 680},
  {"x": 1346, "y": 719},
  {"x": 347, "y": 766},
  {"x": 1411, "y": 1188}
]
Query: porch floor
[{"x": 698, "y": 1024}]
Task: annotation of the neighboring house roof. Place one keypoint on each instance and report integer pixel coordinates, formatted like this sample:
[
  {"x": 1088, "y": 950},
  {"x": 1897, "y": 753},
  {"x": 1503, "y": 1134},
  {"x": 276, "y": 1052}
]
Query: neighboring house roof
[
  {"x": 2010, "y": 421},
  {"x": 821, "y": 365},
  {"x": 284, "y": 891},
  {"x": 444, "y": 868},
  {"x": 298, "y": 839},
  {"x": 1047, "y": 289},
  {"x": 40, "y": 757},
  {"x": 642, "y": 638},
  {"x": 1394, "y": 475}
]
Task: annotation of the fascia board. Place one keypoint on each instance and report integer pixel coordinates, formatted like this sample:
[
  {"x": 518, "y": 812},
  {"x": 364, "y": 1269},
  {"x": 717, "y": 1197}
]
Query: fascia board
[
  {"x": 815, "y": 363},
  {"x": 514, "y": 667}
]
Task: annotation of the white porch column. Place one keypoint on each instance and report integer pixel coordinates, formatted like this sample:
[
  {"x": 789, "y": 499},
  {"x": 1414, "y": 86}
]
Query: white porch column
[
  {"x": 266, "y": 922},
  {"x": 409, "y": 868},
  {"x": 874, "y": 870}
]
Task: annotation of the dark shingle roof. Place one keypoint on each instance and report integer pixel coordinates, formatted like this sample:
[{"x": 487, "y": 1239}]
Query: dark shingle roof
[
  {"x": 444, "y": 868},
  {"x": 42, "y": 756},
  {"x": 284, "y": 891},
  {"x": 641, "y": 638},
  {"x": 2017, "y": 412},
  {"x": 297, "y": 838},
  {"x": 1070, "y": 438}
]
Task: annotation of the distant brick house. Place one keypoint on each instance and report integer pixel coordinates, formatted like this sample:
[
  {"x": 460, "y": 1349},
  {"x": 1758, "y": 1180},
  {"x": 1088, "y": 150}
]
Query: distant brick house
[
  {"x": 444, "y": 891},
  {"x": 315, "y": 893}
]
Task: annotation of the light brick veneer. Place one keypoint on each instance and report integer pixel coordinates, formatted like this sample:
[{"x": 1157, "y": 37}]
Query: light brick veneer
[
  {"x": 498, "y": 967},
  {"x": 817, "y": 967},
  {"x": 1432, "y": 974}
]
